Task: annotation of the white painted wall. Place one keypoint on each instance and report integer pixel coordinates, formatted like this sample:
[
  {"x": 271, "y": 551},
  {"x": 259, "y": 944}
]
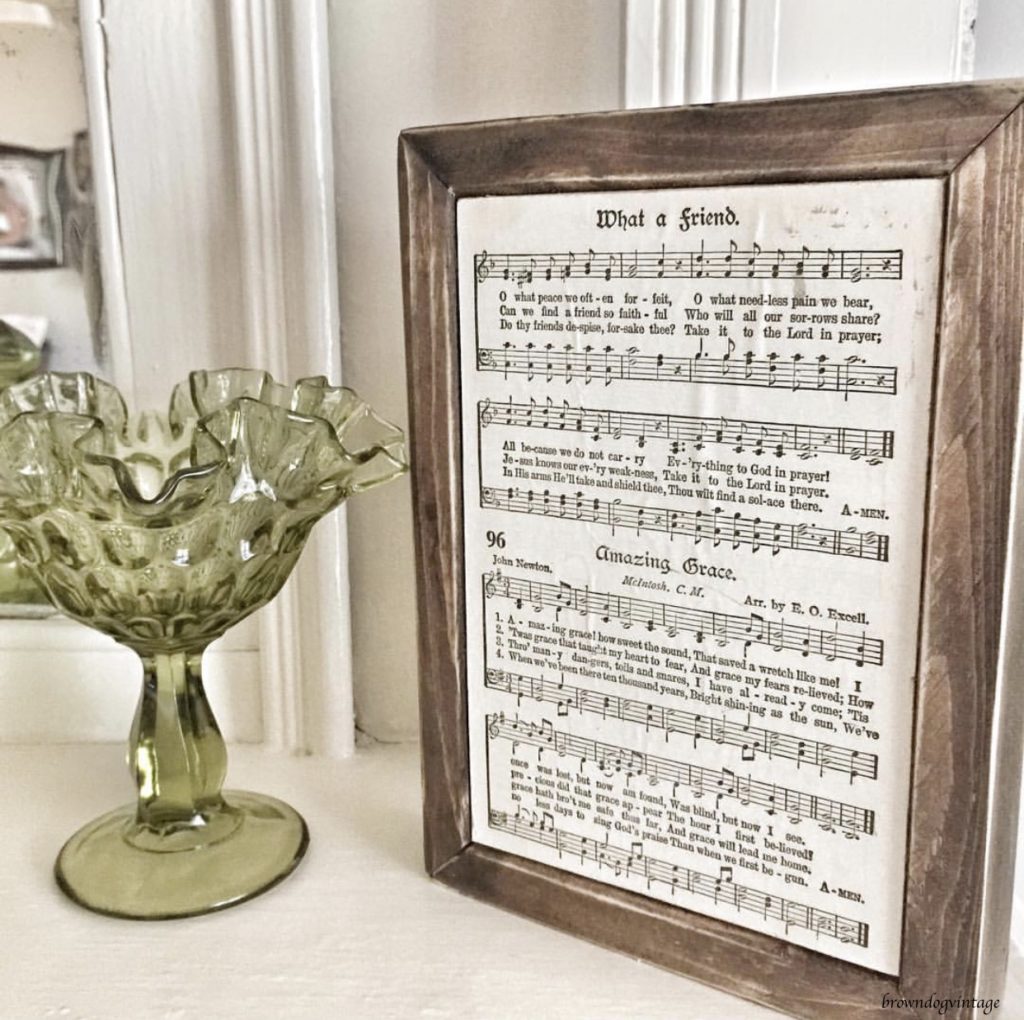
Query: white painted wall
[
  {"x": 999, "y": 36},
  {"x": 859, "y": 44},
  {"x": 398, "y": 64},
  {"x": 40, "y": 78}
]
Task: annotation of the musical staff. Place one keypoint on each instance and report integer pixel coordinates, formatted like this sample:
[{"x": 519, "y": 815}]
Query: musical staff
[
  {"x": 635, "y": 862},
  {"x": 703, "y": 623},
  {"x": 715, "y": 526},
  {"x": 734, "y": 262},
  {"x": 751, "y": 740},
  {"x": 795, "y": 372},
  {"x": 679, "y": 431},
  {"x": 830, "y": 815}
]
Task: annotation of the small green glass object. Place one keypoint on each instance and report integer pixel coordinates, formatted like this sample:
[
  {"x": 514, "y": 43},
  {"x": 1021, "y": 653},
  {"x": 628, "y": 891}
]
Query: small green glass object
[
  {"x": 19, "y": 357},
  {"x": 163, "y": 532}
]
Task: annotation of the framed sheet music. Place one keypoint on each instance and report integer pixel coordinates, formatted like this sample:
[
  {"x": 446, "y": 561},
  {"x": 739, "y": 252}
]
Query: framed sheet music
[{"x": 715, "y": 421}]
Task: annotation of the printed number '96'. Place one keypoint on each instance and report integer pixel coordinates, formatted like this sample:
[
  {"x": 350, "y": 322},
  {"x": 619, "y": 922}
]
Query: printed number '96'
[{"x": 495, "y": 539}]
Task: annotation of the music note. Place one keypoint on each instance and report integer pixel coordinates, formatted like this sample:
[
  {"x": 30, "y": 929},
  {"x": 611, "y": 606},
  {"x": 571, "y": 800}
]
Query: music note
[
  {"x": 831, "y": 264},
  {"x": 755, "y": 254},
  {"x": 727, "y": 260},
  {"x": 634, "y": 861},
  {"x": 724, "y": 627}
]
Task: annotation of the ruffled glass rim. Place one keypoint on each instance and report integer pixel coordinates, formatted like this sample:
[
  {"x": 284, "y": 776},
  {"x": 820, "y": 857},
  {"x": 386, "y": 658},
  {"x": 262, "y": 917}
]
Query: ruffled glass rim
[{"x": 87, "y": 419}]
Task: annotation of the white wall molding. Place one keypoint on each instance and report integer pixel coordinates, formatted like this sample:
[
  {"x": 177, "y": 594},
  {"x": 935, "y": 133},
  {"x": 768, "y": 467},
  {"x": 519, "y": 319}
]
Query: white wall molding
[
  {"x": 213, "y": 165},
  {"x": 116, "y": 321},
  {"x": 683, "y": 51},
  {"x": 281, "y": 87},
  {"x": 704, "y": 51},
  {"x": 962, "y": 58}
]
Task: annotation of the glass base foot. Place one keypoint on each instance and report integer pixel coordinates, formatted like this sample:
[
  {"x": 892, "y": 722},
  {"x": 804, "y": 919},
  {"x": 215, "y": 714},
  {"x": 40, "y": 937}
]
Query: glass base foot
[{"x": 115, "y": 866}]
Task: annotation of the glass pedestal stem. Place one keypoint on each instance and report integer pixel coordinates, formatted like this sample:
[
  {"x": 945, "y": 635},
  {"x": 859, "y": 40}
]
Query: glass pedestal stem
[{"x": 176, "y": 753}]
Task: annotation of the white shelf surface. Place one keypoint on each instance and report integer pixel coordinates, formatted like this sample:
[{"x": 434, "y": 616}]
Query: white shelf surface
[{"x": 357, "y": 932}]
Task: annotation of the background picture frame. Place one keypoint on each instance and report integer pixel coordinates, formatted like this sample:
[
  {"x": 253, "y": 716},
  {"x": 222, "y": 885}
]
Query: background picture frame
[
  {"x": 967, "y": 728},
  {"x": 31, "y": 222}
]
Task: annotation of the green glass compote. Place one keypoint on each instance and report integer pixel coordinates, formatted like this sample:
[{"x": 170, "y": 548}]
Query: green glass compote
[{"x": 163, "y": 531}]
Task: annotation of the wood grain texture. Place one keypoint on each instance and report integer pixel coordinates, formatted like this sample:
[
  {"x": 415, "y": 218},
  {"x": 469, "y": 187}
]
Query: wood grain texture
[
  {"x": 429, "y": 284},
  {"x": 744, "y": 962},
  {"x": 970, "y": 136},
  {"x": 915, "y": 132},
  {"x": 968, "y": 524}
]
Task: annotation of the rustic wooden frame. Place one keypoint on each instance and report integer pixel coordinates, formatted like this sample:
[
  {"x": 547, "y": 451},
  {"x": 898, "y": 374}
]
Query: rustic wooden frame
[{"x": 972, "y": 138}]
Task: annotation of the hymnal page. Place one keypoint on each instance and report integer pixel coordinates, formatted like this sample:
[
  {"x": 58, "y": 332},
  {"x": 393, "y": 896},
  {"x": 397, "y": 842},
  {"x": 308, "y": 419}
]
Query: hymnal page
[{"x": 695, "y": 429}]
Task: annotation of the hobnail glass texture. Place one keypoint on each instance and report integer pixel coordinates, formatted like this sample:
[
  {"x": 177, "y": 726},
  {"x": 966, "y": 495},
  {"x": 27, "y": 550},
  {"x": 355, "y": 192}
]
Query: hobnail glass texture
[
  {"x": 163, "y": 531},
  {"x": 19, "y": 358}
]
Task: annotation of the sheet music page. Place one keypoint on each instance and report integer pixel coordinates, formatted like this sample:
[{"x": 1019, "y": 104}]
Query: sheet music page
[{"x": 695, "y": 427}]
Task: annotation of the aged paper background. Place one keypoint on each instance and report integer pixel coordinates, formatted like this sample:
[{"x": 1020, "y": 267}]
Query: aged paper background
[{"x": 695, "y": 431}]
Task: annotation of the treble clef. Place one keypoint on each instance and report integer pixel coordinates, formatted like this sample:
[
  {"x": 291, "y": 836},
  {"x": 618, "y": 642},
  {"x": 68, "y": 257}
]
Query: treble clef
[
  {"x": 483, "y": 267},
  {"x": 486, "y": 413},
  {"x": 494, "y": 725},
  {"x": 491, "y": 584}
]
